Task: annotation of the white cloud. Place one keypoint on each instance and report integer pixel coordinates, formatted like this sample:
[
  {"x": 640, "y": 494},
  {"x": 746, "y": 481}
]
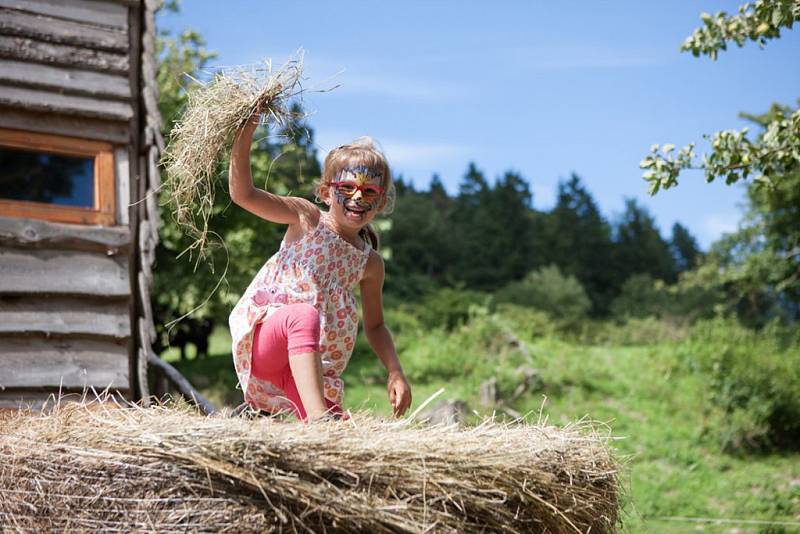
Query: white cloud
[
  {"x": 716, "y": 224},
  {"x": 422, "y": 153},
  {"x": 399, "y": 152},
  {"x": 571, "y": 56}
]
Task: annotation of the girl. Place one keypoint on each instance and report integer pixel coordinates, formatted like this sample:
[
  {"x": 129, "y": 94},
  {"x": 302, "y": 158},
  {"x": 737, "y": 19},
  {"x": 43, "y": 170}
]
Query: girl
[{"x": 295, "y": 326}]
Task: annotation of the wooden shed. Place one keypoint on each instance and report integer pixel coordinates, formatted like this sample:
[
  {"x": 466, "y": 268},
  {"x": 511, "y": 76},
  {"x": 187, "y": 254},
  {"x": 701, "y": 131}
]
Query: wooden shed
[{"x": 79, "y": 143}]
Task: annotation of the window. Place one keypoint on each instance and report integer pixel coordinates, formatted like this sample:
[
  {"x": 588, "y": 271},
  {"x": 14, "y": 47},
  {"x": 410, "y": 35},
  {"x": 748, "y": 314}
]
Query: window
[{"x": 56, "y": 178}]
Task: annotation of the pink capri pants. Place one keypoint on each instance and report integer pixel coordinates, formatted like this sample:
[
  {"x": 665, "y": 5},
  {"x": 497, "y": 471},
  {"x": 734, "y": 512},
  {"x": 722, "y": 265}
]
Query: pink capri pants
[{"x": 291, "y": 329}]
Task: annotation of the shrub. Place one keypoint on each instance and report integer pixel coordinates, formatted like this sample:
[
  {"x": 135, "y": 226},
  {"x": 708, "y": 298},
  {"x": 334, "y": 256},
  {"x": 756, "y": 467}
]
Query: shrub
[
  {"x": 476, "y": 350},
  {"x": 528, "y": 323},
  {"x": 688, "y": 300},
  {"x": 447, "y": 307},
  {"x": 562, "y": 297},
  {"x": 632, "y": 331},
  {"x": 754, "y": 383}
]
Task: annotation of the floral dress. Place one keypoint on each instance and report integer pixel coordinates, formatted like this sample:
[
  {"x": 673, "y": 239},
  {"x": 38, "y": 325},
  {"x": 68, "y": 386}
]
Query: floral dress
[{"x": 321, "y": 269}]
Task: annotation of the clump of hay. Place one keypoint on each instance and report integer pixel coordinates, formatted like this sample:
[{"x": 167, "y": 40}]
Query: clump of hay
[
  {"x": 169, "y": 470},
  {"x": 201, "y": 139}
]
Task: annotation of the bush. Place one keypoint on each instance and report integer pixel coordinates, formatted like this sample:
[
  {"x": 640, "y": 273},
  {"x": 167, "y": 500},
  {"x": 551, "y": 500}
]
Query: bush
[
  {"x": 476, "y": 350},
  {"x": 447, "y": 307},
  {"x": 562, "y": 297},
  {"x": 632, "y": 331},
  {"x": 528, "y": 323},
  {"x": 754, "y": 383},
  {"x": 686, "y": 301}
]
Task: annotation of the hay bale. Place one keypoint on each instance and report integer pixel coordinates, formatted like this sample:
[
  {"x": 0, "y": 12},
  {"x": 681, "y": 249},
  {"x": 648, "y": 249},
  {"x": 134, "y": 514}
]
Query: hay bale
[{"x": 168, "y": 470}]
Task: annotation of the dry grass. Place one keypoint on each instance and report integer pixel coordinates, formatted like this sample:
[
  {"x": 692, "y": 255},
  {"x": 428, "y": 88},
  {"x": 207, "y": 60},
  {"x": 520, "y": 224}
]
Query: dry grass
[
  {"x": 202, "y": 137},
  {"x": 169, "y": 469}
]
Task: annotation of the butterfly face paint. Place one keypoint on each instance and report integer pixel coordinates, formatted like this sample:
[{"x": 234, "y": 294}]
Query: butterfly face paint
[{"x": 352, "y": 180}]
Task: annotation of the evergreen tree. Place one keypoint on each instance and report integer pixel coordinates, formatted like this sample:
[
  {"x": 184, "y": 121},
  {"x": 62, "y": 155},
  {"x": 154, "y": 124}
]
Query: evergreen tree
[
  {"x": 474, "y": 259},
  {"x": 685, "y": 252},
  {"x": 640, "y": 247},
  {"x": 576, "y": 237}
]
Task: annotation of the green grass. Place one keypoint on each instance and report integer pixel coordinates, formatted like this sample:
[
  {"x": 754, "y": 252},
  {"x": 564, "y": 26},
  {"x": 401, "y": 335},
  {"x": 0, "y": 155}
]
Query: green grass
[{"x": 647, "y": 395}]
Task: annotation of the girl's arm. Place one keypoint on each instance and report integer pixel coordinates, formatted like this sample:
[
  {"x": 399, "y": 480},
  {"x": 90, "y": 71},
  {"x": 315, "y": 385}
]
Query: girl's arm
[
  {"x": 379, "y": 337},
  {"x": 275, "y": 208}
]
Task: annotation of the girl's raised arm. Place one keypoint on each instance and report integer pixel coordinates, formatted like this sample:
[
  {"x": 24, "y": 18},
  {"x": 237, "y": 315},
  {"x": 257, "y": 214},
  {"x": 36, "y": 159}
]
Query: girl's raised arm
[{"x": 268, "y": 206}]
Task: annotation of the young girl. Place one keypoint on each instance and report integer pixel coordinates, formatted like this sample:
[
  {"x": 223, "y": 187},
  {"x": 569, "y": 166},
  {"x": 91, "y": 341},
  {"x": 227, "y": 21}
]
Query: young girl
[{"x": 295, "y": 326}]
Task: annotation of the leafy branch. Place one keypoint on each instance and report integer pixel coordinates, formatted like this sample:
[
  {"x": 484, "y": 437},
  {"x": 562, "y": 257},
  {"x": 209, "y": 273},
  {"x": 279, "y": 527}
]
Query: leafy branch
[
  {"x": 777, "y": 150},
  {"x": 733, "y": 155},
  {"x": 758, "y": 21}
]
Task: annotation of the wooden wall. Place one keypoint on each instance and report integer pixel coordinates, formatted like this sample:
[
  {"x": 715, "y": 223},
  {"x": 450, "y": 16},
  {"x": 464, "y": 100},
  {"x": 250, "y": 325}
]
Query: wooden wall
[
  {"x": 74, "y": 300},
  {"x": 65, "y": 68},
  {"x": 64, "y": 309}
]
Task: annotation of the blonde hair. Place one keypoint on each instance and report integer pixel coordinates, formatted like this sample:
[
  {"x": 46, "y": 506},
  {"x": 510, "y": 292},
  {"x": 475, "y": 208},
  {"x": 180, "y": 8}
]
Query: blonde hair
[{"x": 361, "y": 152}]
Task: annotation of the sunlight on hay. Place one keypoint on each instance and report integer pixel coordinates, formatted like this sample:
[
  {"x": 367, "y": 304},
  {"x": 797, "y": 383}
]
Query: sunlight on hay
[{"x": 170, "y": 469}]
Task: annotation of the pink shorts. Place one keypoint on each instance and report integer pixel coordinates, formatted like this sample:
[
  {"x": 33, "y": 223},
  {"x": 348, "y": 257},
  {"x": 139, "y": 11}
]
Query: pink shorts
[{"x": 291, "y": 329}]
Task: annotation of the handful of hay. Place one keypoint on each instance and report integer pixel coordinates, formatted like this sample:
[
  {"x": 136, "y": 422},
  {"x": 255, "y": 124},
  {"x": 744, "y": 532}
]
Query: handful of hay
[
  {"x": 169, "y": 470},
  {"x": 214, "y": 111}
]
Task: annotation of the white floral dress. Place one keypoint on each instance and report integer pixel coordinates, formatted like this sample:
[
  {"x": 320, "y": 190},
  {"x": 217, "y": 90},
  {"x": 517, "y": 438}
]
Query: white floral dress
[{"x": 321, "y": 269}]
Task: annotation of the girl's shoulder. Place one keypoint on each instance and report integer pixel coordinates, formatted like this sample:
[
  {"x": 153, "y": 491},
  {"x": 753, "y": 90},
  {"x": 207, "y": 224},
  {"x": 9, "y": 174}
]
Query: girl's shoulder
[{"x": 374, "y": 268}]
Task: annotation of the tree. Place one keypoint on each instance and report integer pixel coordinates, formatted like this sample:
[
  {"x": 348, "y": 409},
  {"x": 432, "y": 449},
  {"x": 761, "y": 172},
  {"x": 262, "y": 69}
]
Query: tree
[
  {"x": 576, "y": 237},
  {"x": 419, "y": 242},
  {"x": 774, "y": 154},
  {"x": 683, "y": 245},
  {"x": 764, "y": 256},
  {"x": 640, "y": 247},
  {"x": 472, "y": 231}
]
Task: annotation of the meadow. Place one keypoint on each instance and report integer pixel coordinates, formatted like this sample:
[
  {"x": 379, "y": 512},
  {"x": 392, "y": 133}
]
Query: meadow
[{"x": 700, "y": 427}]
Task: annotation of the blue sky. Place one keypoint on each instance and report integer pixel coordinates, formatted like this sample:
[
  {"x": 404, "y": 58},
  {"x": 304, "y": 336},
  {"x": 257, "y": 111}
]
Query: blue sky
[{"x": 543, "y": 89}]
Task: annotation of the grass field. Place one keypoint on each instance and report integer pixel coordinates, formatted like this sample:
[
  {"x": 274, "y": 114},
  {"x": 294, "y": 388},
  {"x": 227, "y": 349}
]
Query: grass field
[{"x": 647, "y": 396}]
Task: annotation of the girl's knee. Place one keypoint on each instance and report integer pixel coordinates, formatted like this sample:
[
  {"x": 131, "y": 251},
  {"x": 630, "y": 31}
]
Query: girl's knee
[
  {"x": 303, "y": 328},
  {"x": 305, "y": 314}
]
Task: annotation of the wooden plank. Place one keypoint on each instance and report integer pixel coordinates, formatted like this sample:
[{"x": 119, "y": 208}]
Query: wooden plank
[
  {"x": 69, "y": 363},
  {"x": 147, "y": 321},
  {"x": 105, "y": 184},
  {"x": 82, "y": 106},
  {"x": 60, "y": 31},
  {"x": 54, "y": 212},
  {"x": 36, "y": 398},
  {"x": 24, "y": 48},
  {"x": 63, "y": 272},
  {"x": 64, "y": 80},
  {"x": 69, "y": 146},
  {"x": 34, "y": 233},
  {"x": 45, "y": 399},
  {"x": 141, "y": 372},
  {"x": 144, "y": 249},
  {"x": 99, "y": 13},
  {"x": 154, "y": 181},
  {"x": 40, "y": 314},
  {"x": 87, "y": 128},
  {"x": 122, "y": 185}
]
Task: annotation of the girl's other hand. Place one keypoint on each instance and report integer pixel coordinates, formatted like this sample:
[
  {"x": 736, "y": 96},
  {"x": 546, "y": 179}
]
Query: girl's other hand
[{"x": 399, "y": 393}]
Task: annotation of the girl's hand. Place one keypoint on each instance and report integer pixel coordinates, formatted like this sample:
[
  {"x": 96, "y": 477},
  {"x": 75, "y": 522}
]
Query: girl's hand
[{"x": 399, "y": 392}]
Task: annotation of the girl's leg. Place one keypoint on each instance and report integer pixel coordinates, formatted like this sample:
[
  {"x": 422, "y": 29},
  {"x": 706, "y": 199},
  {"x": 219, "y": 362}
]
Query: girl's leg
[{"x": 285, "y": 353}]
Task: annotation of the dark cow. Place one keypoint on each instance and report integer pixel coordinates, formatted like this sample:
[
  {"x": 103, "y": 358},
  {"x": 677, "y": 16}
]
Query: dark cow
[{"x": 187, "y": 330}]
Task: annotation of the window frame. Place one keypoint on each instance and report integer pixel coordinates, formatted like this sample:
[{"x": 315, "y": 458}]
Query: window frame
[{"x": 102, "y": 213}]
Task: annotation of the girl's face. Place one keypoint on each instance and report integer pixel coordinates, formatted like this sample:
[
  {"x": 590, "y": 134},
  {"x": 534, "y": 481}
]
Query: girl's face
[{"x": 356, "y": 196}]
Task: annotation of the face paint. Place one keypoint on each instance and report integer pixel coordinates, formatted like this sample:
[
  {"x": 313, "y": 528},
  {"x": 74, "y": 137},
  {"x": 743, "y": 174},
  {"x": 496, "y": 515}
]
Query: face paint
[{"x": 351, "y": 180}]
